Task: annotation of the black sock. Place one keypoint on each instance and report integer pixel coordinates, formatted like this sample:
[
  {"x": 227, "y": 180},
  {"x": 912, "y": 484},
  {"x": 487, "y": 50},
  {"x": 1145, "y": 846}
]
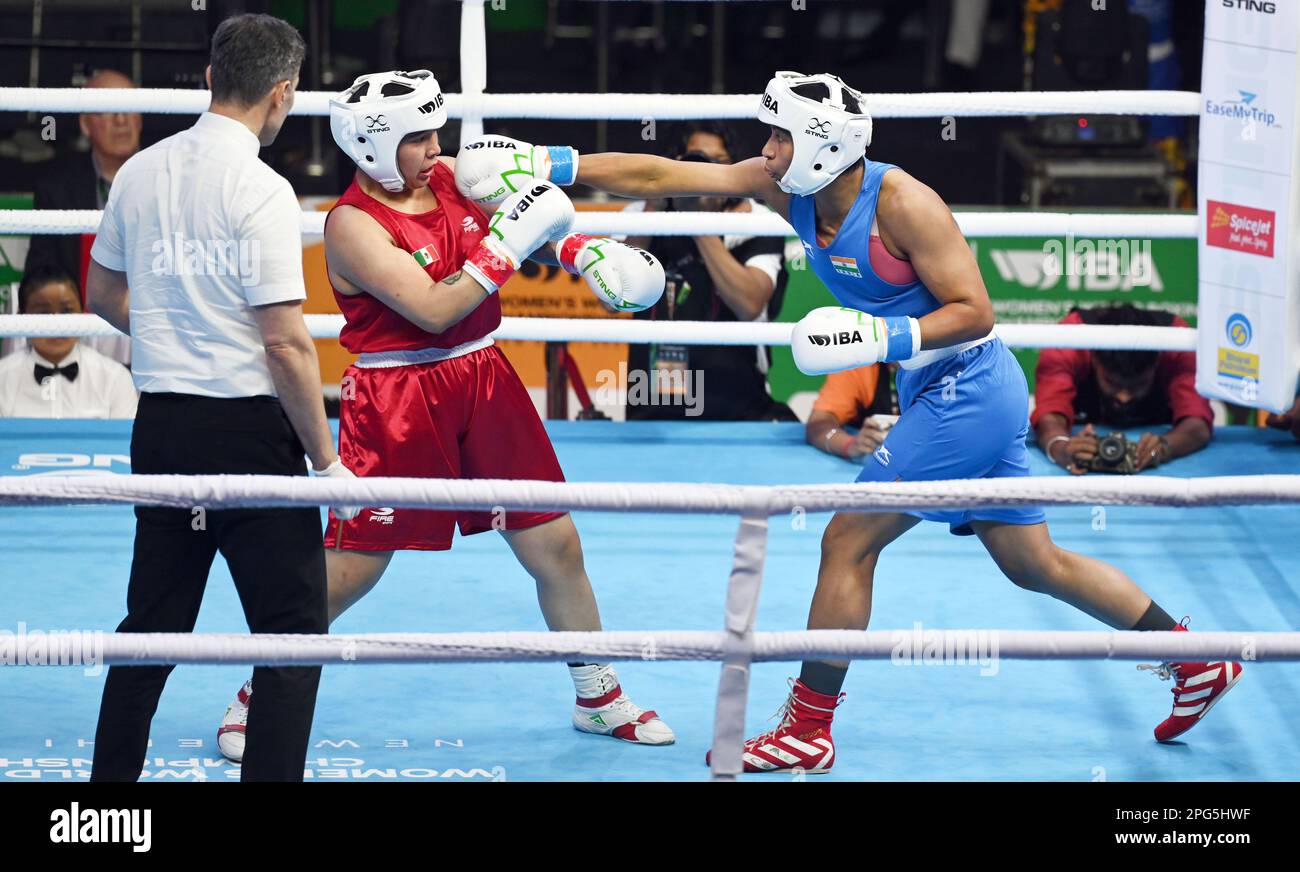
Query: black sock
[
  {"x": 823, "y": 677},
  {"x": 576, "y": 665},
  {"x": 1155, "y": 619}
]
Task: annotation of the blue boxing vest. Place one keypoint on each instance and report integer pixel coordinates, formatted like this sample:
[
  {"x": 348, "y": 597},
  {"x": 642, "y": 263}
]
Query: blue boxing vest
[{"x": 845, "y": 266}]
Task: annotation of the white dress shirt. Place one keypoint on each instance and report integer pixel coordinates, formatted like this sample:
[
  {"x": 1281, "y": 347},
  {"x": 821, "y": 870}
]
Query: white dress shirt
[
  {"x": 102, "y": 388},
  {"x": 204, "y": 231}
]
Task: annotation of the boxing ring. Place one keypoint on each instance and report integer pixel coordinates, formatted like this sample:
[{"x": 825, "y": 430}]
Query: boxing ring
[
  {"x": 1212, "y": 537},
  {"x": 655, "y": 574}
]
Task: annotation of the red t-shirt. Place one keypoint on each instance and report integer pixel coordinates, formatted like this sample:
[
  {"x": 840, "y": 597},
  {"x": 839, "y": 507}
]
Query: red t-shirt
[
  {"x": 439, "y": 240},
  {"x": 1062, "y": 373}
]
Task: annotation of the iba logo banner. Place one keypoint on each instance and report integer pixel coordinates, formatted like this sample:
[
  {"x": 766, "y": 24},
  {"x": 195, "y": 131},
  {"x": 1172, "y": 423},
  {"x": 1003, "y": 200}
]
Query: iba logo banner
[{"x": 1240, "y": 228}]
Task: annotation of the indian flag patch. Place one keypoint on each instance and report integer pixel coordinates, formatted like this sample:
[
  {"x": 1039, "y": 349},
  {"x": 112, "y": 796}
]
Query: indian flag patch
[
  {"x": 846, "y": 266},
  {"x": 426, "y": 256}
]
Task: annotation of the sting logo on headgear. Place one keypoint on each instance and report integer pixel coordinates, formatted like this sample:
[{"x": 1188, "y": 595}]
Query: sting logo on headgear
[
  {"x": 818, "y": 128},
  {"x": 846, "y": 337},
  {"x": 375, "y": 121}
]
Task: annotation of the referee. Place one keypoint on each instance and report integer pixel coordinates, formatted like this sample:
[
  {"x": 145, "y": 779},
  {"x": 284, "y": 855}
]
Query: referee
[{"x": 207, "y": 239}]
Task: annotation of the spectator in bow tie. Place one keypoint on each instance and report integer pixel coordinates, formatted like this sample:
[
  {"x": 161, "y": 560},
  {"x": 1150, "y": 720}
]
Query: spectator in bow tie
[{"x": 58, "y": 377}]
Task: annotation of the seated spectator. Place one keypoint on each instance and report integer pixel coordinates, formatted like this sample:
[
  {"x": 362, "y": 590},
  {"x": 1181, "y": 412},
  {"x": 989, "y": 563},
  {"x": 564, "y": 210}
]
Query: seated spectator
[
  {"x": 58, "y": 377},
  {"x": 1120, "y": 390},
  {"x": 710, "y": 278},
  {"x": 854, "y": 398},
  {"x": 82, "y": 181},
  {"x": 1287, "y": 420}
]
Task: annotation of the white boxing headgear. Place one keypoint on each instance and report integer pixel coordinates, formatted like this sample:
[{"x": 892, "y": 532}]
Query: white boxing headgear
[
  {"x": 370, "y": 119},
  {"x": 830, "y": 132}
]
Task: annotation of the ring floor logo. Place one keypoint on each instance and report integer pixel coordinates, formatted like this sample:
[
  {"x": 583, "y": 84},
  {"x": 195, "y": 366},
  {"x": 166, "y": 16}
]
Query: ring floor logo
[
  {"x": 68, "y": 759},
  {"x": 70, "y": 463}
]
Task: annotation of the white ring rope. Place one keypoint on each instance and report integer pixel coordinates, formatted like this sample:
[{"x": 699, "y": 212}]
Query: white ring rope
[
  {"x": 142, "y": 649},
  {"x": 1111, "y": 226},
  {"x": 246, "y": 491},
  {"x": 642, "y": 108},
  {"x": 1088, "y": 336}
]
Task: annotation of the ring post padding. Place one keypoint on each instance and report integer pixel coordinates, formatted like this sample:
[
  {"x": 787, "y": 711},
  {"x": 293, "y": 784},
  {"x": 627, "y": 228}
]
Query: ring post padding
[{"x": 738, "y": 648}]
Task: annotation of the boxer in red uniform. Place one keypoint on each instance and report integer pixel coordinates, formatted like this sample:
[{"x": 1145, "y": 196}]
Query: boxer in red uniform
[{"x": 415, "y": 268}]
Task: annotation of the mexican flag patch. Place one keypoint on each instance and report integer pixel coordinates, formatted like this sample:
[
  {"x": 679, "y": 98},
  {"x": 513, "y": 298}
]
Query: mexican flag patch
[{"x": 425, "y": 256}]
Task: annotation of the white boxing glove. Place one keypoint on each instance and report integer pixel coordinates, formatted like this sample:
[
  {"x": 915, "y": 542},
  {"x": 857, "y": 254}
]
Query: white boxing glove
[
  {"x": 491, "y": 168},
  {"x": 831, "y": 339},
  {"x": 526, "y": 221},
  {"x": 338, "y": 470},
  {"x": 624, "y": 278}
]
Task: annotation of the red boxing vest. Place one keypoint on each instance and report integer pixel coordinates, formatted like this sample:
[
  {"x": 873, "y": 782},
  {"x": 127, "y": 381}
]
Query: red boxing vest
[{"x": 439, "y": 241}]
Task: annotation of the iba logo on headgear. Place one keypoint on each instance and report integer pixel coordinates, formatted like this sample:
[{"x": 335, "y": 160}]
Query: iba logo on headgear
[{"x": 1239, "y": 330}]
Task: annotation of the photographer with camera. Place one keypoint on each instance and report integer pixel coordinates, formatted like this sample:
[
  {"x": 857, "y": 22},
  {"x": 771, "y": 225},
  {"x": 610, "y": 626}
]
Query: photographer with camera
[
  {"x": 710, "y": 278},
  {"x": 1120, "y": 390}
]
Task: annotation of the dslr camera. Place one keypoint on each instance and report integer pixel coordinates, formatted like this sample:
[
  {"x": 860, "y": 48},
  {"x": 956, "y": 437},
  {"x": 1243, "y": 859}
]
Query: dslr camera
[{"x": 1115, "y": 454}]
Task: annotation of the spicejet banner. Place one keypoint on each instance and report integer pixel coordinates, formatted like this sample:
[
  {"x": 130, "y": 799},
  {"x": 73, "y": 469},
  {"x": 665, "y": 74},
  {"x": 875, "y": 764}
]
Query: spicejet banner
[{"x": 1248, "y": 339}]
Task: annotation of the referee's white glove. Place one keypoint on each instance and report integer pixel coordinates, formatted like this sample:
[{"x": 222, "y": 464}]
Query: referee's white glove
[{"x": 338, "y": 470}]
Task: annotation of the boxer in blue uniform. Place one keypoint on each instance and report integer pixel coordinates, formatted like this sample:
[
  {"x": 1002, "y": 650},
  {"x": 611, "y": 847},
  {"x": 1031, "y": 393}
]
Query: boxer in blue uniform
[{"x": 910, "y": 291}]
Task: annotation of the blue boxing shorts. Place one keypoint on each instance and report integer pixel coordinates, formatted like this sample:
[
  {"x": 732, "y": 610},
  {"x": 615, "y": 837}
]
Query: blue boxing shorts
[{"x": 963, "y": 417}]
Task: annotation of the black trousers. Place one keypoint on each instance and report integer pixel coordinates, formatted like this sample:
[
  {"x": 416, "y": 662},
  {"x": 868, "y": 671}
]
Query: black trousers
[{"x": 275, "y": 557}]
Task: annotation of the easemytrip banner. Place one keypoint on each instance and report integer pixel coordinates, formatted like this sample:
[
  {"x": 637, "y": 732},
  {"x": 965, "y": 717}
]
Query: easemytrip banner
[{"x": 1248, "y": 344}]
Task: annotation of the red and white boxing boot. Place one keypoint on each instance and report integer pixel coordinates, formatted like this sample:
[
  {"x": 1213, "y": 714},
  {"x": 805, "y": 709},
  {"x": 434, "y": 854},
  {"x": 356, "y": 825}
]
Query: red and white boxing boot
[
  {"x": 1197, "y": 687},
  {"x": 604, "y": 709},
  {"x": 802, "y": 741},
  {"x": 230, "y": 735}
]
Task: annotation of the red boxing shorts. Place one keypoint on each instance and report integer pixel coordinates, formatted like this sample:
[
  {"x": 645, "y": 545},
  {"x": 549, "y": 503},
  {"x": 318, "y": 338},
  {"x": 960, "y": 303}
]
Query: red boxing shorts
[{"x": 464, "y": 417}]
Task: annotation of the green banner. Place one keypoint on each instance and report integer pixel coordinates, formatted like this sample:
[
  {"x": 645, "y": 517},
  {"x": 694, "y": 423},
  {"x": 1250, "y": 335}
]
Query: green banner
[
  {"x": 13, "y": 251},
  {"x": 1034, "y": 280}
]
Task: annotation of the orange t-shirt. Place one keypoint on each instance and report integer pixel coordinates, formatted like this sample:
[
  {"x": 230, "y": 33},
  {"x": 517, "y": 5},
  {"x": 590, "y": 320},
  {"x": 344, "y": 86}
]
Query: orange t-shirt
[{"x": 847, "y": 395}]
